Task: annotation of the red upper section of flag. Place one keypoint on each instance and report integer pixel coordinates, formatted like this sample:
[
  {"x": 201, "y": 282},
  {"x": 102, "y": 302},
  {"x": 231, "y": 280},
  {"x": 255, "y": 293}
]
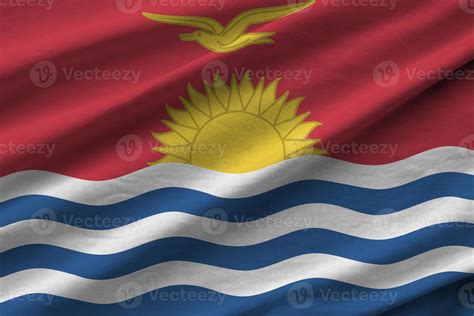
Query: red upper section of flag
[{"x": 84, "y": 83}]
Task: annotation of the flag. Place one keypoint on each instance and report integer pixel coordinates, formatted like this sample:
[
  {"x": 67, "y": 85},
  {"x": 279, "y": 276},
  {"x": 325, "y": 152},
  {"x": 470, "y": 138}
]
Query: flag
[{"x": 201, "y": 157}]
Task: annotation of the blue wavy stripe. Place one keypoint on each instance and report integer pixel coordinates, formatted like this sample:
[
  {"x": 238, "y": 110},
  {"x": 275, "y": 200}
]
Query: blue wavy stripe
[
  {"x": 364, "y": 200},
  {"x": 240, "y": 258},
  {"x": 435, "y": 295}
]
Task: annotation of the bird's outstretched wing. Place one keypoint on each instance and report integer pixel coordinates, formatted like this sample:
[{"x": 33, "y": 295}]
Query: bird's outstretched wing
[
  {"x": 240, "y": 23},
  {"x": 203, "y": 23}
]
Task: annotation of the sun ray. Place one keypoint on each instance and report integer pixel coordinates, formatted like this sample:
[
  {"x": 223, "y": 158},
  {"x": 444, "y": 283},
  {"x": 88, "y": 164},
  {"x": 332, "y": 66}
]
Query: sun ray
[
  {"x": 181, "y": 117},
  {"x": 309, "y": 151},
  {"x": 289, "y": 110},
  {"x": 221, "y": 91},
  {"x": 254, "y": 103},
  {"x": 246, "y": 89},
  {"x": 273, "y": 111},
  {"x": 286, "y": 127},
  {"x": 197, "y": 116},
  {"x": 214, "y": 104},
  {"x": 236, "y": 128},
  {"x": 181, "y": 152},
  {"x": 269, "y": 95},
  {"x": 292, "y": 146},
  {"x": 169, "y": 138},
  {"x": 235, "y": 103},
  {"x": 183, "y": 131},
  {"x": 199, "y": 100},
  {"x": 303, "y": 130}
]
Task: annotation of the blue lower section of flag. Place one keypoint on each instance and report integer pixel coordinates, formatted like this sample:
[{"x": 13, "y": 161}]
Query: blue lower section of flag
[
  {"x": 434, "y": 295},
  {"x": 369, "y": 201},
  {"x": 238, "y": 258},
  {"x": 412, "y": 257}
]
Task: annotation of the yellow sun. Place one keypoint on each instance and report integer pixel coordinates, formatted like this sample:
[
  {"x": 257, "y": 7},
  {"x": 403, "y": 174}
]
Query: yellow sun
[{"x": 237, "y": 128}]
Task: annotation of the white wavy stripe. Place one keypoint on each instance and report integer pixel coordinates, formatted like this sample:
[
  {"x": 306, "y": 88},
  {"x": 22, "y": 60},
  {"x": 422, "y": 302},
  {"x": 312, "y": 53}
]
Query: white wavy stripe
[
  {"x": 178, "y": 224},
  {"x": 236, "y": 282},
  {"x": 443, "y": 159}
]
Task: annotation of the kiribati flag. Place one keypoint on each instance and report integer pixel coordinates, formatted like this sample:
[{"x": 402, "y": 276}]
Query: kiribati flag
[{"x": 236, "y": 157}]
